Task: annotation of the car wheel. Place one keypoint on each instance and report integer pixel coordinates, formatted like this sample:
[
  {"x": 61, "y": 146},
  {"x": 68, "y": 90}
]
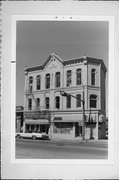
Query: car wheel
[
  {"x": 18, "y": 136},
  {"x": 34, "y": 137}
]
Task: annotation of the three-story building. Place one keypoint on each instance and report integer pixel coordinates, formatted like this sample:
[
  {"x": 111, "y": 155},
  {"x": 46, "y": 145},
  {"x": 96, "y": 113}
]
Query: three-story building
[{"x": 63, "y": 118}]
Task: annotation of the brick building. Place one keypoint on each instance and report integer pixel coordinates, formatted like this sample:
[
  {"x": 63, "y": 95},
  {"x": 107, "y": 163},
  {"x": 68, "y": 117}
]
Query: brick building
[{"x": 47, "y": 111}]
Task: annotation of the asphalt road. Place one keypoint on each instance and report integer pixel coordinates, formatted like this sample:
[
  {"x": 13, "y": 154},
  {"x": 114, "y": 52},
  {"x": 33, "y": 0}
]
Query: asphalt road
[{"x": 45, "y": 149}]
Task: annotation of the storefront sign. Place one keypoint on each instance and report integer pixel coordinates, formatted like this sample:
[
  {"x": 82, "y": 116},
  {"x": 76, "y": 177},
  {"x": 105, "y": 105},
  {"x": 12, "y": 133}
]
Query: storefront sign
[{"x": 57, "y": 118}]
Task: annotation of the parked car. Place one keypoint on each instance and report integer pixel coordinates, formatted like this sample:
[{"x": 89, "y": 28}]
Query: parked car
[{"x": 32, "y": 135}]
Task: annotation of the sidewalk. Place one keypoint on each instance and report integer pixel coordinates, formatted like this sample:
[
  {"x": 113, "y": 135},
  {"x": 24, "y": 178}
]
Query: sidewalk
[
  {"x": 69, "y": 140},
  {"x": 76, "y": 140}
]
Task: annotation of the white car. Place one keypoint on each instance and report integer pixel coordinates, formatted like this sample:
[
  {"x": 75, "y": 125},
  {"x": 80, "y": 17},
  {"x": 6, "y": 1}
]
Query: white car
[{"x": 32, "y": 135}]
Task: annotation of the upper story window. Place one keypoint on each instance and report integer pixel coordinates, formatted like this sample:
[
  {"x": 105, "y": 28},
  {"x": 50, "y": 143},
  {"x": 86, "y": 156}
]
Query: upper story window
[
  {"x": 47, "y": 81},
  {"x": 93, "y": 101},
  {"x": 93, "y": 71},
  {"x": 57, "y": 102},
  {"x": 29, "y": 104},
  {"x": 68, "y": 101},
  {"x": 38, "y": 82},
  {"x": 38, "y": 102},
  {"x": 68, "y": 78},
  {"x": 30, "y": 84},
  {"x": 47, "y": 101},
  {"x": 30, "y": 80},
  {"x": 78, "y": 100},
  {"x": 57, "y": 79},
  {"x": 78, "y": 77}
]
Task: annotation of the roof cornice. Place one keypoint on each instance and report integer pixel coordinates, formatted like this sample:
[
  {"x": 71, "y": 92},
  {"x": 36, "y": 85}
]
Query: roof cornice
[{"x": 68, "y": 62}]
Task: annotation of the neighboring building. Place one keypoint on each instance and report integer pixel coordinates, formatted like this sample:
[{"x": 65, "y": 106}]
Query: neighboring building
[
  {"x": 19, "y": 118},
  {"x": 42, "y": 92}
]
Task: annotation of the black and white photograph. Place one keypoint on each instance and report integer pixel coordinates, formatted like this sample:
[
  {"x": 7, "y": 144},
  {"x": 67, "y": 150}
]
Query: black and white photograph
[
  {"x": 59, "y": 102},
  {"x": 61, "y": 89}
]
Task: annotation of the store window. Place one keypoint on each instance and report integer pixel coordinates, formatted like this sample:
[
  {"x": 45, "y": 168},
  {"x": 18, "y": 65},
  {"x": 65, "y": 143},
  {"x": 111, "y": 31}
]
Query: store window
[
  {"x": 93, "y": 101},
  {"x": 93, "y": 71},
  {"x": 78, "y": 100},
  {"x": 57, "y": 79},
  {"x": 57, "y": 102},
  {"x": 68, "y": 74},
  {"x": 47, "y": 100},
  {"x": 38, "y": 82},
  {"x": 68, "y": 101},
  {"x": 78, "y": 77},
  {"x": 47, "y": 81},
  {"x": 29, "y": 104}
]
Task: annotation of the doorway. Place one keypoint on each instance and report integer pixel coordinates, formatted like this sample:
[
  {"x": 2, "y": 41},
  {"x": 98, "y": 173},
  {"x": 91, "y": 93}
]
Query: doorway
[{"x": 78, "y": 130}]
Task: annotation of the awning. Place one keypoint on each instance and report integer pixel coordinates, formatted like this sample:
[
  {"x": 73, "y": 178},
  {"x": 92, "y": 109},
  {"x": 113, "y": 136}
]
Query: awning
[
  {"x": 68, "y": 118},
  {"x": 38, "y": 121}
]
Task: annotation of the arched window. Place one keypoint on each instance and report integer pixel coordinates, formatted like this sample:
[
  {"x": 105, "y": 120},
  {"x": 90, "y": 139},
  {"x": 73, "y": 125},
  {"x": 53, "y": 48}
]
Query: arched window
[
  {"x": 30, "y": 80},
  {"x": 38, "y": 82},
  {"x": 30, "y": 84},
  {"x": 29, "y": 104},
  {"x": 68, "y": 78},
  {"x": 78, "y": 100},
  {"x": 57, "y": 102},
  {"x": 57, "y": 79},
  {"x": 93, "y": 76},
  {"x": 47, "y": 81},
  {"x": 38, "y": 102},
  {"x": 78, "y": 77},
  {"x": 47, "y": 101},
  {"x": 68, "y": 101},
  {"x": 93, "y": 101}
]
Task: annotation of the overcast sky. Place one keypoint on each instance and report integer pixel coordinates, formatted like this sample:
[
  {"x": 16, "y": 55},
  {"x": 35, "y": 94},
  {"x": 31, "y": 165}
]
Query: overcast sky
[{"x": 36, "y": 40}]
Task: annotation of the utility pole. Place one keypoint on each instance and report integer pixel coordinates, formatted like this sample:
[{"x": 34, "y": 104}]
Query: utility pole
[
  {"x": 63, "y": 93},
  {"x": 83, "y": 122}
]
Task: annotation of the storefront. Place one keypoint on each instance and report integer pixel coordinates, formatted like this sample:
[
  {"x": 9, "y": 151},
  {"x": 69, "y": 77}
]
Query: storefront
[
  {"x": 67, "y": 126},
  {"x": 41, "y": 125}
]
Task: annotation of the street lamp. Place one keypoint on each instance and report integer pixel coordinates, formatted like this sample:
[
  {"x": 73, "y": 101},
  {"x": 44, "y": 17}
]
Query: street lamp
[{"x": 63, "y": 93}]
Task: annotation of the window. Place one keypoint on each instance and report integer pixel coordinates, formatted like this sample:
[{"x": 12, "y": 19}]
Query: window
[
  {"x": 47, "y": 81},
  {"x": 78, "y": 77},
  {"x": 38, "y": 102},
  {"x": 57, "y": 102},
  {"x": 68, "y": 101},
  {"x": 78, "y": 100},
  {"x": 30, "y": 80},
  {"x": 47, "y": 102},
  {"x": 68, "y": 78},
  {"x": 93, "y": 101},
  {"x": 29, "y": 104},
  {"x": 93, "y": 76},
  {"x": 38, "y": 81},
  {"x": 30, "y": 84},
  {"x": 57, "y": 79}
]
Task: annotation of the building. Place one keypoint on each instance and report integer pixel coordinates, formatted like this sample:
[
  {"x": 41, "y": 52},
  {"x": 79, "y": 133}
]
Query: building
[
  {"x": 19, "y": 118},
  {"x": 47, "y": 111}
]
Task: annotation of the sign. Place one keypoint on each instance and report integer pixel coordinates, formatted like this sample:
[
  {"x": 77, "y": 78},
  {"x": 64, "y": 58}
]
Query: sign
[
  {"x": 80, "y": 123},
  {"x": 19, "y": 108},
  {"x": 57, "y": 118}
]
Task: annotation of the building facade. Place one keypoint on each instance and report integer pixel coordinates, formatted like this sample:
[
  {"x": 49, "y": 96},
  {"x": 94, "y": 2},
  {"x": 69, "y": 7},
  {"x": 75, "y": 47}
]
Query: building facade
[
  {"x": 19, "y": 118},
  {"x": 47, "y": 111}
]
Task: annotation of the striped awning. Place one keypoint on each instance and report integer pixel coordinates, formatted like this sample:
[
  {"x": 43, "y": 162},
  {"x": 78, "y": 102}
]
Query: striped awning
[{"x": 38, "y": 121}]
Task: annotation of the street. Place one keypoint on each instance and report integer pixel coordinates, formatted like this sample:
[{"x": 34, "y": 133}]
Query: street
[{"x": 45, "y": 149}]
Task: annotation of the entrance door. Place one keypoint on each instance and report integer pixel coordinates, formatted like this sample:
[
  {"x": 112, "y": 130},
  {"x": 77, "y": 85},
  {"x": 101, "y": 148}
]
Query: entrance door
[{"x": 78, "y": 130}]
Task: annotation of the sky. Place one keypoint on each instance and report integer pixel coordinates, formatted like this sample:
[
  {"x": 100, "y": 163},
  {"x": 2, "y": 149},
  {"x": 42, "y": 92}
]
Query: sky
[{"x": 36, "y": 40}]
